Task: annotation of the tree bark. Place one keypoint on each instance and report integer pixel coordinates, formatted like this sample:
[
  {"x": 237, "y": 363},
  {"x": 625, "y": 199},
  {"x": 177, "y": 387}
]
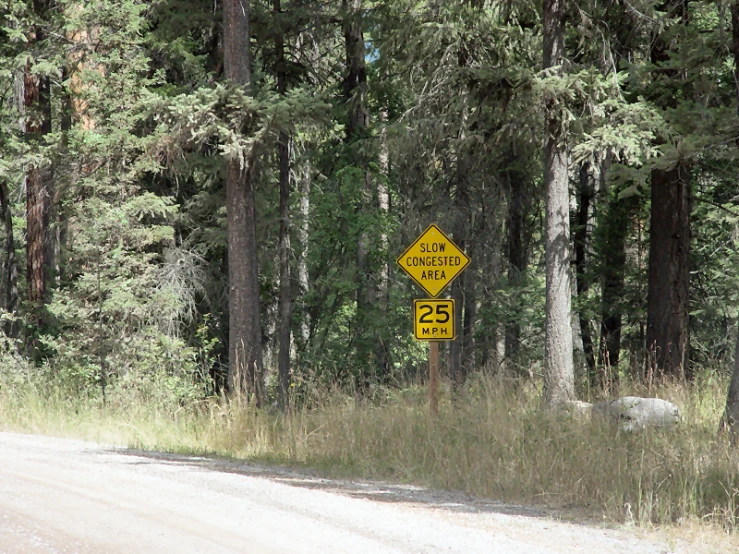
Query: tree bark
[
  {"x": 355, "y": 82},
  {"x": 285, "y": 300},
  {"x": 669, "y": 244},
  {"x": 669, "y": 272},
  {"x": 516, "y": 251},
  {"x": 731, "y": 413},
  {"x": 616, "y": 227},
  {"x": 457, "y": 369},
  {"x": 36, "y": 124},
  {"x": 9, "y": 273},
  {"x": 245, "y": 344},
  {"x": 582, "y": 239},
  {"x": 369, "y": 352},
  {"x": 730, "y": 419},
  {"x": 37, "y": 104},
  {"x": 78, "y": 64},
  {"x": 559, "y": 378},
  {"x": 303, "y": 233},
  {"x": 469, "y": 345},
  {"x": 383, "y": 198}
]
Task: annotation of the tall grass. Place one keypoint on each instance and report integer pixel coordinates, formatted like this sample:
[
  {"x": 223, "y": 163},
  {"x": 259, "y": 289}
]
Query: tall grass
[{"x": 491, "y": 441}]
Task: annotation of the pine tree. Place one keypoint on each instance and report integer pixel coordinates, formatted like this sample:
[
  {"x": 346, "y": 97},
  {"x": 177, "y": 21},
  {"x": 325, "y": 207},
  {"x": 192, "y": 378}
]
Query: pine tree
[
  {"x": 245, "y": 345},
  {"x": 559, "y": 378}
]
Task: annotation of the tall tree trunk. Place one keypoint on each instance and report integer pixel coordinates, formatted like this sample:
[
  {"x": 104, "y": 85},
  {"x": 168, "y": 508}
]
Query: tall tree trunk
[
  {"x": 245, "y": 341},
  {"x": 457, "y": 369},
  {"x": 78, "y": 64},
  {"x": 355, "y": 82},
  {"x": 582, "y": 239},
  {"x": 731, "y": 413},
  {"x": 469, "y": 346},
  {"x": 355, "y": 95},
  {"x": 285, "y": 301},
  {"x": 559, "y": 377},
  {"x": 383, "y": 197},
  {"x": 516, "y": 251},
  {"x": 486, "y": 359},
  {"x": 461, "y": 349},
  {"x": 616, "y": 228},
  {"x": 37, "y": 103},
  {"x": 669, "y": 239},
  {"x": 9, "y": 273},
  {"x": 669, "y": 272},
  {"x": 37, "y": 124},
  {"x": 730, "y": 419},
  {"x": 303, "y": 231}
]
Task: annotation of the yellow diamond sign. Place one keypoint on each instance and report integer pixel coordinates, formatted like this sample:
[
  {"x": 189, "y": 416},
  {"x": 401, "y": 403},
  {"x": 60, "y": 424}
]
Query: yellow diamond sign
[{"x": 433, "y": 261}]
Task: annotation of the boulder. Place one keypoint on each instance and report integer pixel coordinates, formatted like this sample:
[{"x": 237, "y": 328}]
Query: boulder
[
  {"x": 632, "y": 412},
  {"x": 577, "y": 408}
]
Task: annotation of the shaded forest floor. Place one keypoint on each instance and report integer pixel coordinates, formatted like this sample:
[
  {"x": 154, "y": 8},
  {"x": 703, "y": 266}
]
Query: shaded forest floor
[{"x": 490, "y": 441}]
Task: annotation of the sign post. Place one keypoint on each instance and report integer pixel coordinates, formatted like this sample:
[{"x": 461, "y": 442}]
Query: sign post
[
  {"x": 434, "y": 377},
  {"x": 433, "y": 261}
]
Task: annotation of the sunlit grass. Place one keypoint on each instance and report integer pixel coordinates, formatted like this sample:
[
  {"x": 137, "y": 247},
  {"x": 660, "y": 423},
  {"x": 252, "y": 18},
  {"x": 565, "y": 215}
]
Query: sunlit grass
[{"x": 491, "y": 441}]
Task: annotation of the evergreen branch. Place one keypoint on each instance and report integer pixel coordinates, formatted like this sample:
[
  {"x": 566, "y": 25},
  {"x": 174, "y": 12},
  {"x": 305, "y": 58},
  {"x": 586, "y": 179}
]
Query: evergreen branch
[{"x": 717, "y": 205}]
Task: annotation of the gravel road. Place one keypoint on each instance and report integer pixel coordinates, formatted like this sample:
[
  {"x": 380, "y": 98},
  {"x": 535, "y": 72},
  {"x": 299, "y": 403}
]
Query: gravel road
[{"x": 70, "y": 496}]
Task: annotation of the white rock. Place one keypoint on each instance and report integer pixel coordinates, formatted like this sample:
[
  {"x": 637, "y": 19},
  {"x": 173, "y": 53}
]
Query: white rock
[
  {"x": 577, "y": 408},
  {"x": 633, "y": 412}
]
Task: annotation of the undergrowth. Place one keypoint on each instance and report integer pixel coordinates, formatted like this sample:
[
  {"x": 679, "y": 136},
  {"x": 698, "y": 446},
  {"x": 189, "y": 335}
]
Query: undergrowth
[{"x": 491, "y": 440}]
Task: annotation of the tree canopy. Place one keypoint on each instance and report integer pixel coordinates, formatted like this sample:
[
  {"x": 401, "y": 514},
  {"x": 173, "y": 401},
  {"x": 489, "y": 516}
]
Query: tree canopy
[{"x": 193, "y": 190}]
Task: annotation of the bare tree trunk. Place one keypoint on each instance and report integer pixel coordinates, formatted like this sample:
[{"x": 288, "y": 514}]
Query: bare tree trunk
[
  {"x": 77, "y": 65},
  {"x": 582, "y": 239},
  {"x": 469, "y": 345},
  {"x": 37, "y": 103},
  {"x": 285, "y": 301},
  {"x": 669, "y": 242},
  {"x": 245, "y": 341},
  {"x": 730, "y": 419},
  {"x": 456, "y": 347},
  {"x": 616, "y": 223},
  {"x": 9, "y": 273},
  {"x": 731, "y": 413},
  {"x": 669, "y": 271},
  {"x": 559, "y": 377},
  {"x": 517, "y": 252},
  {"x": 355, "y": 82},
  {"x": 37, "y": 124},
  {"x": 384, "y": 201},
  {"x": 383, "y": 198},
  {"x": 457, "y": 369},
  {"x": 355, "y": 94},
  {"x": 305, "y": 185}
]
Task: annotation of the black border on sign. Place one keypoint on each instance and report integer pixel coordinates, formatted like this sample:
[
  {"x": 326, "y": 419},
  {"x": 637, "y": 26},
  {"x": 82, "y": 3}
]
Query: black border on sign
[
  {"x": 432, "y": 300},
  {"x": 466, "y": 257}
]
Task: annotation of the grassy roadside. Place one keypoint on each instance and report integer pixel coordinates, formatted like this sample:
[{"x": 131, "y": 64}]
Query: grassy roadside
[{"x": 492, "y": 442}]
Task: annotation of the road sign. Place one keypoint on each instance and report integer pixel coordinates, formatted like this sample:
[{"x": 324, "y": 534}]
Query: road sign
[
  {"x": 433, "y": 261},
  {"x": 433, "y": 319}
]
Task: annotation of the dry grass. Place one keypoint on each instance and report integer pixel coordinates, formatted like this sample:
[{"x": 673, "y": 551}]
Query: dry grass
[{"x": 492, "y": 441}]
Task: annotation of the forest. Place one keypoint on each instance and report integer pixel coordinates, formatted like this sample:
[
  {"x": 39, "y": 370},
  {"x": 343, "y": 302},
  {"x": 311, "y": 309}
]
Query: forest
[{"x": 204, "y": 198}]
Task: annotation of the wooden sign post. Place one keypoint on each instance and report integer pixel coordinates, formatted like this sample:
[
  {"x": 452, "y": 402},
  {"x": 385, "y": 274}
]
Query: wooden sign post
[
  {"x": 433, "y": 261},
  {"x": 434, "y": 377}
]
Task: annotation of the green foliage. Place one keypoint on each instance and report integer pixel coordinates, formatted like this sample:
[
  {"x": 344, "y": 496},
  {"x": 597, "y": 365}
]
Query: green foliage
[
  {"x": 136, "y": 315},
  {"x": 455, "y": 101}
]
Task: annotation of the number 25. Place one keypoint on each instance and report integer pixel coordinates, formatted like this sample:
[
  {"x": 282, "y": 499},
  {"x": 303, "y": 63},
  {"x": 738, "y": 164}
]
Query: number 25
[{"x": 428, "y": 310}]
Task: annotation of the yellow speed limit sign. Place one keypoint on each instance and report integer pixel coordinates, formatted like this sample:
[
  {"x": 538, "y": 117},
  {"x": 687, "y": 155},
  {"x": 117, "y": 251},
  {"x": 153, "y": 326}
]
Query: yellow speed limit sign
[{"x": 433, "y": 319}]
